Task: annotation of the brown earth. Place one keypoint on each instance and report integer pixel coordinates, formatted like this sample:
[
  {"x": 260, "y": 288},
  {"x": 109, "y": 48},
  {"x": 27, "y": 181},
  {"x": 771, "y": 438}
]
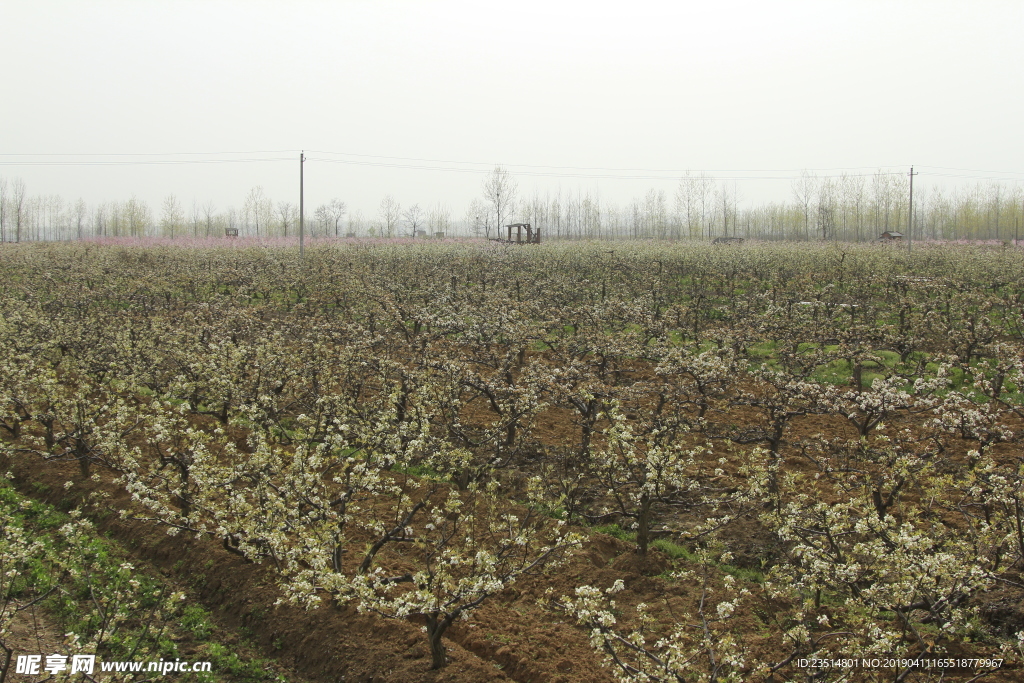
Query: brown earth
[
  {"x": 510, "y": 637},
  {"x": 336, "y": 643}
]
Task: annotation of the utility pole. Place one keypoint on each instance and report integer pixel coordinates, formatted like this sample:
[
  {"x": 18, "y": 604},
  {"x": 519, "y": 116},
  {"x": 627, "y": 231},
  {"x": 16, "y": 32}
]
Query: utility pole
[
  {"x": 910, "y": 214},
  {"x": 302, "y": 206}
]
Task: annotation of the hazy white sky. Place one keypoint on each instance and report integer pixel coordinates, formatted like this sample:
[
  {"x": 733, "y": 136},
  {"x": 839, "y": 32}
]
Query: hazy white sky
[{"x": 380, "y": 93}]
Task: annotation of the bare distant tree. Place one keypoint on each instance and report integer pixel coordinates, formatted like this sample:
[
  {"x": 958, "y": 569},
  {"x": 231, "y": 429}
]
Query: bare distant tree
[
  {"x": 705, "y": 186},
  {"x": 3, "y": 210},
  {"x": 355, "y": 222},
  {"x": 500, "y": 190},
  {"x": 889, "y": 191},
  {"x": 335, "y": 212},
  {"x": 729, "y": 198},
  {"x": 287, "y": 213},
  {"x": 257, "y": 210},
  {"x": 195, "y": 218},
  {"x": 17, "y": 206},
  {"x": 137, "y": 214},
  {"x": 804, "y": 188},
  {"x": 118, "y": 219},
  {"x": 635, "y": 214},
  {"x": 477, "y": 217},
  {"x": 655, "y": 214},
  {"x": 390, "y": 212},
  {"x": 80, "y": 210},
  {"x": 440, "y": 218},
  {"x": 854, "y": 196},
  {"x": 208, "y": 210},
  {"x": 843, "y": 206},
  {"x": 827, "y": 209},
  {"x": 323, "y": 218},
  {"x": 695, "y": 203},
  {"x": 173, "y": 217},
  {"x": 99, "y": 221},
  {"x": 687, "y": 206},
  {"x": 899, "y": 189},
  {"x": 996, "y": 202},
  {"x": 413, "y": 218},
  {"x": 57, "y": 220}
]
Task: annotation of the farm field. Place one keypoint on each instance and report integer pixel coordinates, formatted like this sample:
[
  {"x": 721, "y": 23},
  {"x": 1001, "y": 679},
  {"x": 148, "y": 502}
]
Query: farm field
[{"x": 575, "y": 461}]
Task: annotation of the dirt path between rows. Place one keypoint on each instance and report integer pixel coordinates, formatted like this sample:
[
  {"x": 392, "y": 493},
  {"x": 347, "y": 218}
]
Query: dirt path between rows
[{"x": 509, "y": 639}]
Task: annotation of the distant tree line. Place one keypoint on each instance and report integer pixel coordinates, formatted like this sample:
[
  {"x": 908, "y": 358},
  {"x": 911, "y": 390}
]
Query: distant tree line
[{"x": 847, "y": 207}]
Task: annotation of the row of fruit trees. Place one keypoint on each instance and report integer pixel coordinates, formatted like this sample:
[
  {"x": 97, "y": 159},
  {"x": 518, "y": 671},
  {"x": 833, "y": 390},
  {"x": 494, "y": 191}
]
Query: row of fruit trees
[{"x": 414, "y": 428}]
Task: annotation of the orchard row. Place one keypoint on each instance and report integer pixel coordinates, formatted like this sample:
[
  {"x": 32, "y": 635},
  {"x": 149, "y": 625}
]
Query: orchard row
[{"x": 415, "y": 428}]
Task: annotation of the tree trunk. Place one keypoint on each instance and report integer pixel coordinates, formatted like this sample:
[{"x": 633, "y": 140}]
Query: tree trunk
[
  {"x": 436, "y": 629},
  {"x": 643, "y": 532},
  {"x": 6, "y": 665}
]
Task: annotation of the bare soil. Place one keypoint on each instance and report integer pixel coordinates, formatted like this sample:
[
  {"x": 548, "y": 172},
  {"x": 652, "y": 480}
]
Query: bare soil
[{"x": 510, "y": 638}]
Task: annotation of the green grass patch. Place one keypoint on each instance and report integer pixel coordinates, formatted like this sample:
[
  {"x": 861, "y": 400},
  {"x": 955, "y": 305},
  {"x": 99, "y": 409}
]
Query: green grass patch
[
  {"x": 420, "y": 471},
  {"x": 616, "y": 531},
  {"x": 679, "y": 552},
  {"x": 72, "y": 576},
  {"x": 762, "y": 351},
  {"x": 674, "y": 550}
]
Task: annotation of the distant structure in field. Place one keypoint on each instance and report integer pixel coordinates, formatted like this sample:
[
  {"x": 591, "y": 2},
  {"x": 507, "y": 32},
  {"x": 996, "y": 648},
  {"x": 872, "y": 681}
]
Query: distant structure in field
[
  {"x": 727, "y": 240},
  {"x": 532, "y": 234},
  {"x": 231, "y": 232},
  {"x": 890, "y": 236}
]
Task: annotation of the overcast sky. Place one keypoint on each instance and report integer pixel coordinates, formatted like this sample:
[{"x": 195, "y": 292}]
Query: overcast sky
[{"x": 609, "y": 97}]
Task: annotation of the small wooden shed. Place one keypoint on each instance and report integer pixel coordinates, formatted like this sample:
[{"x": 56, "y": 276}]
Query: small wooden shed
[
  {"x": 532, "y": 235},
  {"x": 231, "y": 232},
  {"x": 891, "y": 236}
]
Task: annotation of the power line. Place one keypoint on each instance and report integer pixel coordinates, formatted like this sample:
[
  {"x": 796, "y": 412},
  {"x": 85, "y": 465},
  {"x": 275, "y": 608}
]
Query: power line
[
  {"x": 973, "y": 170},
  {"x": 600, "y": 168},
  {"x": 151, "y": 162},
  {"x": 477, "y": 167},
  {"x": 669, "y": 174},
  {"x": 484, "y": 166},
  {"x": 972, "y": 177},
  {"x": 139, "y": 154}
]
